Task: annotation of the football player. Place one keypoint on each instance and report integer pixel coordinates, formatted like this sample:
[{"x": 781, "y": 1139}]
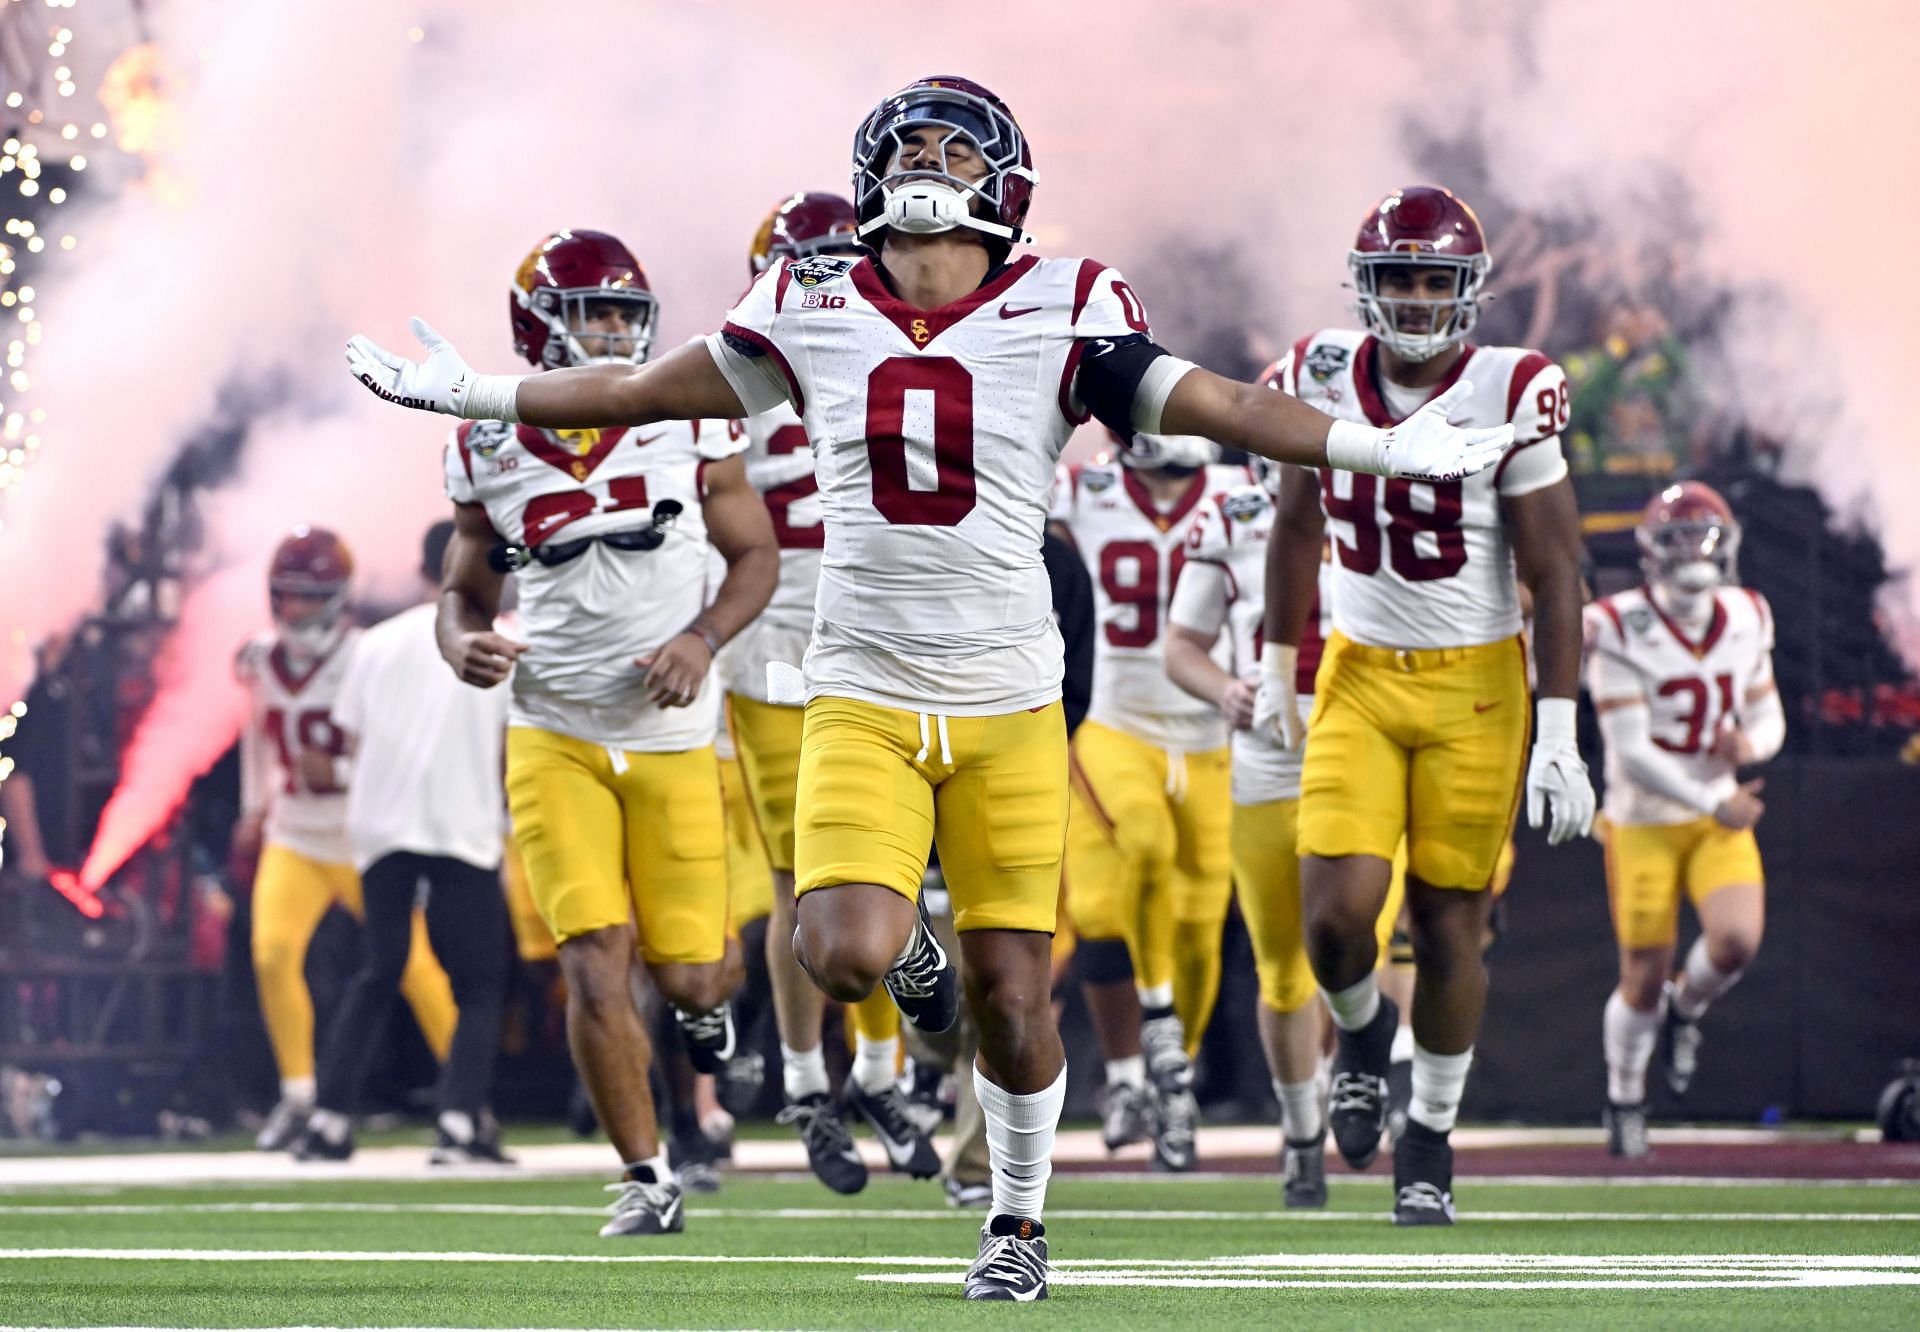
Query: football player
[
  {"x": 1681, "y": 674},
  {"x": 780, "y": 465},
  {"x": 1223, "y": 586},
  {"x": 1421, "y": 702},
  {"x": 611, "y": 774},
  {"x": 295, "y": 820},
  {"x": 1147, "y": 857},
  {"x": 938, "y": 377}
]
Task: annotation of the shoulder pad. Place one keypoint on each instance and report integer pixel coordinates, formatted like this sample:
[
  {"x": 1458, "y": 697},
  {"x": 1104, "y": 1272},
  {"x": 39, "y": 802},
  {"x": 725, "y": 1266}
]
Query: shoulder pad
[{"x": 817, "y": 269}]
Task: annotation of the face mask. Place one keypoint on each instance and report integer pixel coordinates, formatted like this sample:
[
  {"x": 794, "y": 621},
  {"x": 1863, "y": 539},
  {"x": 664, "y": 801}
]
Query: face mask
[
  {"x": 924, "y": 207},
  {"x": 1695, "y": 576}
]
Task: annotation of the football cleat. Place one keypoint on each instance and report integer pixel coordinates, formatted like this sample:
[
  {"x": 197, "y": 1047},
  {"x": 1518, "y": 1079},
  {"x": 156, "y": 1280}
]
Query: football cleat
[
  {"x": 317, "y": 1146},
  {"x": 1679, "y": 1047},
  {"x": 1399, "y": 1097},
  {"x": 693, "y": 1162},
  {"x": 1176, "y": 1116},
  {"x": 709, "y": 1037},
  {"x": 646, "y": 1206},
  {"x": 1013, "y": 1261},
  {"x": 1303, "y": 1171},
  {"x": 1422, "y": 1178},
  {"x": 284, "y": 1125},
  {"x": 1626, "y": 1130},
  {"x": 964, "y": 1195},
  {"x": 829, "y": 1146},
  {"x": 1164, "y": 1042},
  {"x": 920, "y": 1086},
  {"x": 1126, "y": 1116},
  {"x": 925, "y": 984},
  {"x": 739, "y": 1083},
  {"x": 1357, "y": 1100},
  {"x": 482, "y": 1148},
  {"x": 909, "y": 1148}
]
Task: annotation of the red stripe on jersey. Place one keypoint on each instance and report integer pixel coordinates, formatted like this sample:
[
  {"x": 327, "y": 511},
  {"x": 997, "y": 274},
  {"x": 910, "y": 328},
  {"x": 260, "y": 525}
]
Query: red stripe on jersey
[
  {"x": 283, "y": 669},
  {"x": 1716, "y": 626},
  {"x": 700, "y": 478},
  {"x": 932, "y": 323},
  {"x": 1367, "y": 388},
  {"x": 1083, "y": 287},
  {"x": 1606, "y": 604},
  {"x": 1299, "y": 359},
  {"x": 466, "y": 454},
  {"x": 1143, "y": 499},
  {"x": 579, "y": 466},
  {"x": 765, "y": 344},
  {"x": 1529, "y": 365},
  {"x": 1067, "y": 373},
  {"x": 780, "y": 287}
]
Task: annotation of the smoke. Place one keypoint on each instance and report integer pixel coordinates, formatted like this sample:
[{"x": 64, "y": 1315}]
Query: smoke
[{"x": 319, "y": 172}]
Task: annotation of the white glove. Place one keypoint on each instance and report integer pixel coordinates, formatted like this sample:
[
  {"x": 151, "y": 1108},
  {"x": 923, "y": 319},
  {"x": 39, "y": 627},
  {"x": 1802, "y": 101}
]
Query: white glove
[
  {"x": 442, "y": 383},
  {"x": 1426, "y": 446},
  {"x": 1276, "y": 707},
  {"x": 1557, "y": 776}
]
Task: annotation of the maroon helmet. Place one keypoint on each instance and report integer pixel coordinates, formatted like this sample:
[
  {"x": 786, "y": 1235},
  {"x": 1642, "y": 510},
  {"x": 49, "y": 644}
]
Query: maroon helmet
[
  {"x": 1688, "y": 537},
  {"x": 812, "y": 223},
  {"x": 314, "y": 566},
  {"x": 1424, "y": 227},
  {"x": 936, "y": 200},
  {"x": 565, "y": 280}
]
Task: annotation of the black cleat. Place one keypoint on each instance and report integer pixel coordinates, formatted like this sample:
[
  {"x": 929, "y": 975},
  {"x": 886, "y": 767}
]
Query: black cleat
[
  {"x": 739, "y": 1083},
  {"x": 483, "y": 1148},
  {"x": 920, "y": 1085},
  {"x": 1303, "y": 1171},
  {"x": 1422, "y": 1178},
  {"x": 909, "y": 1147},
  {"x": 709, "y": 1038},
  {"x": 963, "y": 1194},
  {"x": 925, "y": 984},
  {"x": 1013, "y": 1261},
  {"x": 317, "y": 1146},
  {"x": 646, "y": 1206},
  {"x": 1399, "y": 1097},
  {"x": 1357, "y": 1100},
  {"x": 829, "y": 1146},
  {"x": 1679, "y": 1048},
  {"x": 1626, "y": 1130}
]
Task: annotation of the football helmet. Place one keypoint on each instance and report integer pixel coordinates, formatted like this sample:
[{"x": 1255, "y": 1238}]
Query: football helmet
[
  {"x": 314, "y": 566},
  {"x": 812, "y": 223},
  {"x": 1688, "y": 538},
  {"x": 926, "y": 201},
  {"x": 1182, "y": 453},
  {"x": 560, "y": 281},
  {"x": 1427, "y": 227}
]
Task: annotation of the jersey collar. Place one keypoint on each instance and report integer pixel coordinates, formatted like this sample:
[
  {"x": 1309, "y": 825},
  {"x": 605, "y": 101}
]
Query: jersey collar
[
  {"x": 282, "y": 665},
  {"x": 1716, "y": 625},
  {"x": 1367, "y": 387},
  {"x": 579, "y": 466},
  {"x": 921, "y": 327},
  {"x": 1182, "y": 505}
]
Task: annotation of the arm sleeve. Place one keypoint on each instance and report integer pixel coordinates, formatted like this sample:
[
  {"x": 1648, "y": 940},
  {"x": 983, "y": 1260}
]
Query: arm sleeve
[
  {"x": 1627, "y": 731},
  {"x": 747, "y": 351},
  {"x": 1200, "y": 598},
  {"x": 1073, "y": 608},
  {"x": 1539, "y": 411}
]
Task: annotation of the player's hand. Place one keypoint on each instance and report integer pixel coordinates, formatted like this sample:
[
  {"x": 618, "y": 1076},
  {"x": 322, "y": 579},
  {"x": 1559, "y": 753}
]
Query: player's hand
[
  {"x": 243, "y": 851},
  {"x": 675, "y": 671},
  {"x": 1276, "y": 705},
  {"x": 1431, "y": 446},
  {"x": 1730, "y": 744},
  {"x": 1236, "y": 703},
  {"x": 483, "y": 658},
  {"x": 317, "y": 772},
  {"x": 1559, "y": 792},
  {"x": 1741, "y": 810},
  {"x": 437, "y": 384}
]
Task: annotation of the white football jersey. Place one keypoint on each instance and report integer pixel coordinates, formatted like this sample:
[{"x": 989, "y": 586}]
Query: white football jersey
[
  {"x": 1691, "y": 687},
  {"x": 1425, "y": 564},
  {"x": 290, "y": 712},
  {"x": 780, "y": 467},
  {"x": 935, "y": 434},
  {"x": 1134, "y": 550},
  {"x": 585, "y": 621},
  {"x": 1224, "y": 586}
]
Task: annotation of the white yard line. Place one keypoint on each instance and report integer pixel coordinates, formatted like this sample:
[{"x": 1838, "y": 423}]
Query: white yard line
[{"x": 852, "y": 1214}]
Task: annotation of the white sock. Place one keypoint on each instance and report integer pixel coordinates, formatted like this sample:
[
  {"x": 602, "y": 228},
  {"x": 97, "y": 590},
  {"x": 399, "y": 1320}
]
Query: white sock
[
  {"x": 1020, "y": 1131},
  {"x": 802, "y": 1072},
  {"x": 1128, "y": 1072},
  {"x": 456, "y": 1124},
  {"x": 1302, "y": 1109},
  {"x": 298, "y": 1090},
  {"x": 1700, "y": 983},
  {"x": 1156, "y": 996},
  {"x": 1628, "y": 1036},
  {"x": 1438, "y": 1081},
  {"x": 331, "y": 1125},
  {"x": 875, "y": 1063},
  {"x": 657, "y": 1163},
  {"x": 1355, "y": 1006},
  {"x": 1402, "y": 1043}
]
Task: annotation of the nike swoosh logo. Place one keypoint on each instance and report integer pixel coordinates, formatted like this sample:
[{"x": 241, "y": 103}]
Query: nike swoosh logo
[
  {"x": 1486, "y": 707},
  {"x": 1008, "y": 312},
  {"x": 666, "y": 1217},
  {"x": 642, "y": 443}
]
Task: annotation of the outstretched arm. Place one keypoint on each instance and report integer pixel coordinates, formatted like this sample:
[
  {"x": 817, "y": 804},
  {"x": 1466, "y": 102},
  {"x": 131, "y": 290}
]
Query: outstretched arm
[{"x": 683, "y": 385}]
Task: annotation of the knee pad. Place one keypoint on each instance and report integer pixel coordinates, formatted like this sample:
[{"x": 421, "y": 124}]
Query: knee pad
[{"x": 1103, "y": 961}]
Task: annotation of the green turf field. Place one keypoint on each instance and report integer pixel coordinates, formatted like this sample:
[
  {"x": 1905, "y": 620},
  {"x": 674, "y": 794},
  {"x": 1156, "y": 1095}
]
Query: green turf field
[{"x": 1135, "y": 1252}]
